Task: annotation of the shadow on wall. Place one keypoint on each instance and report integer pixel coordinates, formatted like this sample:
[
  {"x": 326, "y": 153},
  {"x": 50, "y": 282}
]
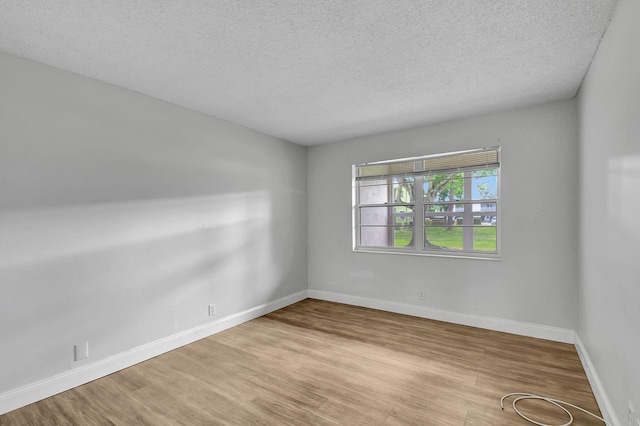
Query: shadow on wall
[{"x": 120, "y": 275}]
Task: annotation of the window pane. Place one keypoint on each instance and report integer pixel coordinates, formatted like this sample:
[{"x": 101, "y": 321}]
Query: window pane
[
  {"x": 451, "y": 186},
  {"x": 374, "y": 236},
  {"x": 374, "y": 216},
  {"x": 443, "y": 237},
  {"x": 403, "y": 236},
  {"x": 484, "y": 184},
  {"x": 386, "y": 236},
  {"x": 391, "y": 215},
  {"x": 378, "y": 191},
  {"x": 444, "y": 187},
  {"x": 404, "y": 190},
  {"x": 402, "y": 215},
  {"x": 374, "y": 191},
  {"x": 487, "y": 212},
  {"x": 482, "y": 212},
  {"x": 484, "y": 238}
]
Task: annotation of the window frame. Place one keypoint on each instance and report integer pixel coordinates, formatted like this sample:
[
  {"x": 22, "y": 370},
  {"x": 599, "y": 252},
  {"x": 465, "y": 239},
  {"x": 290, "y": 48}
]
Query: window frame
[{"x": 420, "y": 204}]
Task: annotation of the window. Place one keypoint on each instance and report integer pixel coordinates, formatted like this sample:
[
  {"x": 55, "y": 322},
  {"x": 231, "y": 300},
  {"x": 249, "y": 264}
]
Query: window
[{"x": 444, "y": 204}]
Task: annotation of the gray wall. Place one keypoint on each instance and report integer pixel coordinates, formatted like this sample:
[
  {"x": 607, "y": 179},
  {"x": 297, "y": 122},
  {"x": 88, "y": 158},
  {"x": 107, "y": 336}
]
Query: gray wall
[
  {"x": 122, "y": 217},
  {"x": 609, "y": 297},
  {"x": 536, "y": 281}
]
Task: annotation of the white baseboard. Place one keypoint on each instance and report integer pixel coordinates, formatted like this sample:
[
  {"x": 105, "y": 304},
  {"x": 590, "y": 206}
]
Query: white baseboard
[
  {"x": 37, "y": 391},
  {"x": 524, "y": 329},
  {"x": 596, "y": 385}
]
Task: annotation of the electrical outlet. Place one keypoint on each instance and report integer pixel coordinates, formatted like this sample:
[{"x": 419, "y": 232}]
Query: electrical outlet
[
  {"x": 421, "y": 295},
  {"x": 212, "y": 310},
  {"x": 81, "y": 351}
]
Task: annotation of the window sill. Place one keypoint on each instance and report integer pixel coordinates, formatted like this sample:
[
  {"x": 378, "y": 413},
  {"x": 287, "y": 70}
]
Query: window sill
[{"x": 462, "y": 255}]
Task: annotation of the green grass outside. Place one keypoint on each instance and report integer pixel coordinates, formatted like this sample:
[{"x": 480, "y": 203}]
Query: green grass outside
[{"x": 484, "y": 237}]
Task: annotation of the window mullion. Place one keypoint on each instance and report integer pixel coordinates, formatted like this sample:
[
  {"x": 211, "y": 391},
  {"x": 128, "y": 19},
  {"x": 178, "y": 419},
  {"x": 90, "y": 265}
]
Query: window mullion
[
  {"x": 418, "y": 214},
  {"x": 467, "y": 231},
  {"x": 391, "y": 217}
]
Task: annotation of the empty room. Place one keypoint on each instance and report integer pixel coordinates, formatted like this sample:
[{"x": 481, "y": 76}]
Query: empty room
[{"x": 413, "y": 212}]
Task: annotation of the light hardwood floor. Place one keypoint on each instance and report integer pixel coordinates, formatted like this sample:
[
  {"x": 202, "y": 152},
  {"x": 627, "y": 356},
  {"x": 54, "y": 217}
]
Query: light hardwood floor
[{"x": 317, "y": 363}]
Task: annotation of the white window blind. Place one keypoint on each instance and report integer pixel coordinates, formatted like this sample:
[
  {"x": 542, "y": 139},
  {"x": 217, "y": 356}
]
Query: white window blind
[{"x": 439, "y": 163}]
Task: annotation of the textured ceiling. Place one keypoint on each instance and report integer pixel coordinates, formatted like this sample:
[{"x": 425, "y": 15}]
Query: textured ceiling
[{"x": 324, "y": 70}]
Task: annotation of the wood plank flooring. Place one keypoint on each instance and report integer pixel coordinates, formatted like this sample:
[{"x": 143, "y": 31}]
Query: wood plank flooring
[{"x": 323, "y": 363}]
